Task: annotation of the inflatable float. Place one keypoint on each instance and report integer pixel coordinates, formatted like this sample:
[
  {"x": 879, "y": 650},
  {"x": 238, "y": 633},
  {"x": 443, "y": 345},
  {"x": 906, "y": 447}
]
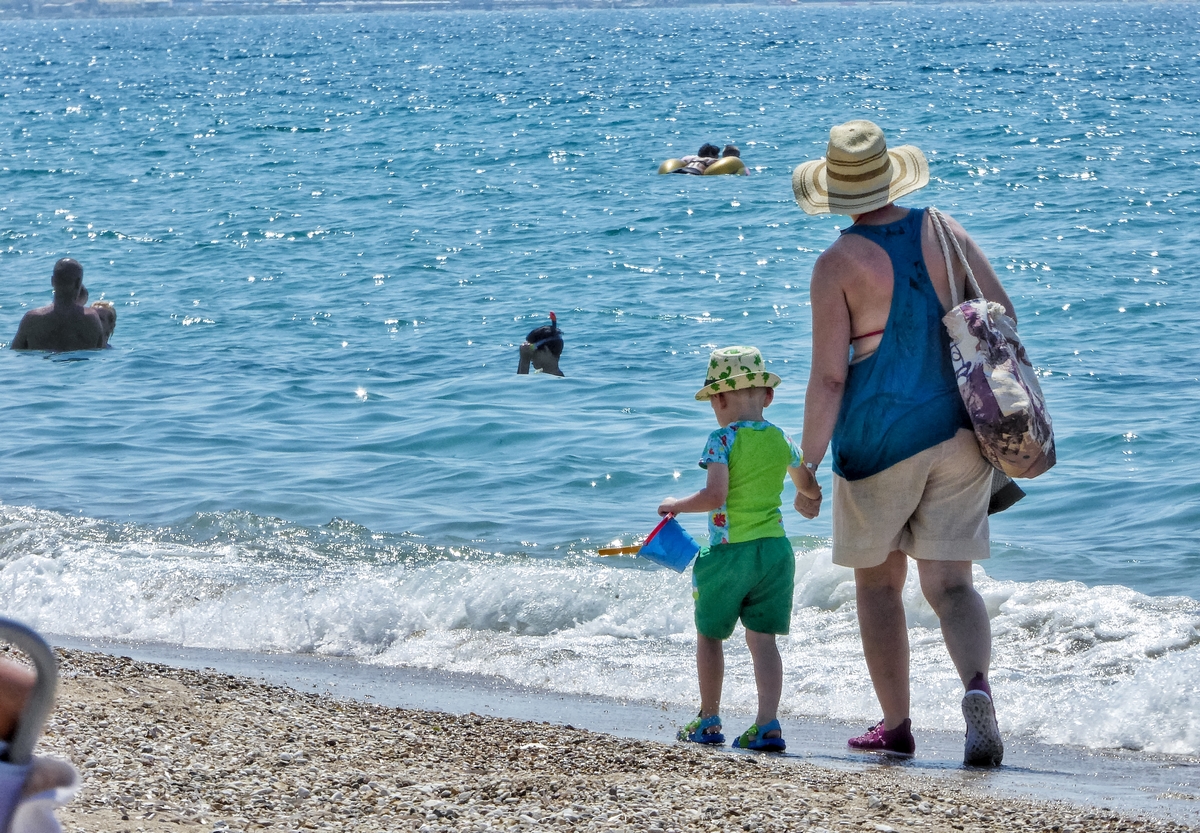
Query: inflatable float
[{"x": 724, "y": 165}]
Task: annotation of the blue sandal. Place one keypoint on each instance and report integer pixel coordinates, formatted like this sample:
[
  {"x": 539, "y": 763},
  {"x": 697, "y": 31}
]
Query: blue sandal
[
  {"x": 697, "y": 730},
  {"x": 753, "y": 738}
]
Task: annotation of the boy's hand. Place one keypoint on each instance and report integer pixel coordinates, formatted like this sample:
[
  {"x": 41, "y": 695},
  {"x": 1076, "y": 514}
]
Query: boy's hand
[
  {"x": 667, "y": 507},
  {"x": 808, "y": 495}
]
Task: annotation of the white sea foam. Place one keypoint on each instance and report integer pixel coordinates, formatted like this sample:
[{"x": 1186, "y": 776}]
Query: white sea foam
[{"x": 1100, "y": 666}]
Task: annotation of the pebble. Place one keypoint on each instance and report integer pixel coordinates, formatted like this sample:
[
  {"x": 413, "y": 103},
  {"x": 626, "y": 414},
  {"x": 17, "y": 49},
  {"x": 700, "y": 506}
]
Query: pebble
[{"x": 203, "y": 751}]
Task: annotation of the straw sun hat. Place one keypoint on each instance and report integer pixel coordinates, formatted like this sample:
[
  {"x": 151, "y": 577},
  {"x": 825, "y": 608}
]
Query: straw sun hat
[
  {"x": 736, "y": 368},
  {"x": 859, "y": 173}
]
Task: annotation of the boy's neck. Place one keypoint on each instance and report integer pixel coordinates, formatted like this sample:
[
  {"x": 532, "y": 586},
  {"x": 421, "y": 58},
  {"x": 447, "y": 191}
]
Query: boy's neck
[{"x": 748, "y": 414}]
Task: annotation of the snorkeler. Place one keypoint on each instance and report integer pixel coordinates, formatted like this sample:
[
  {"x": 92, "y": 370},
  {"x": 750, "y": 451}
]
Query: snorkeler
[{"x": 542, "y": 348}]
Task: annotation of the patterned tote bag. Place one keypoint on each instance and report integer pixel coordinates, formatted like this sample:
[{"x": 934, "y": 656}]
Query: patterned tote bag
[{"x": 998, "y": 384}]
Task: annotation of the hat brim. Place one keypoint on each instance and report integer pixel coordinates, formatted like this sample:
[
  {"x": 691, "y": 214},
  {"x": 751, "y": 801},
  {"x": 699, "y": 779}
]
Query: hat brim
[
  {"x": 743, "y": 381},
  {"x": 910, "y": 172}
]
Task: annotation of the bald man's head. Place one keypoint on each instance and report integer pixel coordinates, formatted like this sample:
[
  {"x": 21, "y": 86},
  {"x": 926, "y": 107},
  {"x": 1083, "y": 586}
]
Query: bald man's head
[{"x": 67, "y": 278}]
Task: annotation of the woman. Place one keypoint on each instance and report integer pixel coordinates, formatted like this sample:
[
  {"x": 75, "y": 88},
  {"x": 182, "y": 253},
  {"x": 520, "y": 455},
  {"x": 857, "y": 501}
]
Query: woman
[{"x": 909, "y": 481}]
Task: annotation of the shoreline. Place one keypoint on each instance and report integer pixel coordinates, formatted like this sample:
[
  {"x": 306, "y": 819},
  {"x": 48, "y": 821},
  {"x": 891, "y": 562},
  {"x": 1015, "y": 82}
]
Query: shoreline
[{"x": 160, "y": 747}]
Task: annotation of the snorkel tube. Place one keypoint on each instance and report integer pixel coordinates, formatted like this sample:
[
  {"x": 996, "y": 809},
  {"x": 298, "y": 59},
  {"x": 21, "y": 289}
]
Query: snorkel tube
[{"x": 555, "y": 335}]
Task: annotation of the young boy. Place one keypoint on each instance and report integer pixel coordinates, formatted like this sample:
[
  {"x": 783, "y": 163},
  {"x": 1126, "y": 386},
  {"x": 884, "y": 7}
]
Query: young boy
[{"x": 747, "y": 570}]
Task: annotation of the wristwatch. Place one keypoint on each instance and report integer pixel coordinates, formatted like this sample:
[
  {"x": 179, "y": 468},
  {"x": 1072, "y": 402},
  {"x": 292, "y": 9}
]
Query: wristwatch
[{"x": 812, "y": 467}]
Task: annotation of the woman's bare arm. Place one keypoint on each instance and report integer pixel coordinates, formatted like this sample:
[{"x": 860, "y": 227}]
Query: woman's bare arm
[{"x": 830, "y": 352}]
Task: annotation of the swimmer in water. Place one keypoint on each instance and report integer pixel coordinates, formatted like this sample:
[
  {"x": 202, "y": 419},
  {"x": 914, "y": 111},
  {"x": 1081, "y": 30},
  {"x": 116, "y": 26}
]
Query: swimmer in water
[
  {"x": 732, "y": 151},
  {"x": 105, "y": 309},
  {"x": 64, "y": 325},
  {"x": 542, "y": 349}
]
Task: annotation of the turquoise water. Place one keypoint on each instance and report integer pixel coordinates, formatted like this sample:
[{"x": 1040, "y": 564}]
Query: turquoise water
[{"x": 325, "y": 237}]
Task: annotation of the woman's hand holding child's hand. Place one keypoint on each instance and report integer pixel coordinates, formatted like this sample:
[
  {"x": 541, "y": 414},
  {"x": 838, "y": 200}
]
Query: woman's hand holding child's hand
[{"x": 808, "y": 495}]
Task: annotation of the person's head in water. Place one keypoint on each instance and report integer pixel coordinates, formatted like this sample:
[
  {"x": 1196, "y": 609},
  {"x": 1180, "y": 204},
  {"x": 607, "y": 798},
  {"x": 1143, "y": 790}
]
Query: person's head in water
[
  {"x": 731, "y": 150},
  {"x": 67, "y": 280},
  {"x": 105, "y": 309},
  {"x": 542, "y": 348},
  {"x": 548, "y": 337},
  {"x": 708, "y": 151}
]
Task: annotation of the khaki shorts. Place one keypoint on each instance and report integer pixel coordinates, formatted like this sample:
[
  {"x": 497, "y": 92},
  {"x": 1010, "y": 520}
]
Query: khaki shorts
[{"x": 932, "y": 506}]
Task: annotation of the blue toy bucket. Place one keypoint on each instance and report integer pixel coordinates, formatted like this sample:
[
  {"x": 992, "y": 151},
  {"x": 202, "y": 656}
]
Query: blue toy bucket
[{"x": 670, "y": 546}]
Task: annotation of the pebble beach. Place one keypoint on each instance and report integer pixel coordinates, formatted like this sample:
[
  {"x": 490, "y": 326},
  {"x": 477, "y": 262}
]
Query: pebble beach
[{"x": 163, "y": 749}]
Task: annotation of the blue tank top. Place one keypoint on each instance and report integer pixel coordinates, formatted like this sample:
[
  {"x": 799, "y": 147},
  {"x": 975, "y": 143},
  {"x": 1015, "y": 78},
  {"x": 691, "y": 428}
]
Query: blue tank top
[{"x": 902, "y": 399}]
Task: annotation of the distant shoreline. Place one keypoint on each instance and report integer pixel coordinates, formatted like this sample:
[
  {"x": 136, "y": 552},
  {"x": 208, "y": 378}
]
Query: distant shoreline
[{"x": 121, "y": 9}]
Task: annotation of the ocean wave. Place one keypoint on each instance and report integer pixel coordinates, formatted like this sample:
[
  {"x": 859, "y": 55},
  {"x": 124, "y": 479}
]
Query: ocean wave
[{"x": 1100, "y": 666}]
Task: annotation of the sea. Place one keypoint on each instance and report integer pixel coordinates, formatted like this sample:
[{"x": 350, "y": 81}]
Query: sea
[{"x": 326, "y": 236}]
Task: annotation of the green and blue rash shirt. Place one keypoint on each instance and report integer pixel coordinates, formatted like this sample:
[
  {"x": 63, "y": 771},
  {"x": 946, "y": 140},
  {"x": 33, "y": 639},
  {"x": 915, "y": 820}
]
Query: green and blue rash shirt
[{"x": 758, "y": 455}]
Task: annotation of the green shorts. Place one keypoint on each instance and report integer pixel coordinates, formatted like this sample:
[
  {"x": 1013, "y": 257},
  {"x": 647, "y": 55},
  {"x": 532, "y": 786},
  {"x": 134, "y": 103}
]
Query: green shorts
[{"x": 753, "y": 581}]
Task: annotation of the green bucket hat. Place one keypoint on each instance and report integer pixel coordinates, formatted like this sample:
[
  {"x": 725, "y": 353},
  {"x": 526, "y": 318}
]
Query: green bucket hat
[{"x": 736, "y": 368}]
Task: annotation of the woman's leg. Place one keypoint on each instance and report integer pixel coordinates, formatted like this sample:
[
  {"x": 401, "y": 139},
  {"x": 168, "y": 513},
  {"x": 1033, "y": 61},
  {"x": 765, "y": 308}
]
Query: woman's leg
[
  {"x": 968, "y": 633},
  {"x": 884, "y": 633},
  {"x": 950, "y": 592}
]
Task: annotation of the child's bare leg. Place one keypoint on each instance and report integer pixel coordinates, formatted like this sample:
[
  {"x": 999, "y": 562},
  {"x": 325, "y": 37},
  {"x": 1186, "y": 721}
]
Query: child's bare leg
[
  {"x": 768, "y": 676},
  {"x": 710, "y": 667}
]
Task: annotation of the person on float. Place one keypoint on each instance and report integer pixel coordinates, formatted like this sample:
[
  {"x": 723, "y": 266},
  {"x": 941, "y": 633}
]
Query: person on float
[{"x": 696, "y": 165}]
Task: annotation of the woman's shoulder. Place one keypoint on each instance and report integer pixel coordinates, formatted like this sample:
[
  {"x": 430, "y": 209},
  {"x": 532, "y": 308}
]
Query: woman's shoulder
[
  {"x": 956, "y": 228},
  {"x": 847, "y": 256}
]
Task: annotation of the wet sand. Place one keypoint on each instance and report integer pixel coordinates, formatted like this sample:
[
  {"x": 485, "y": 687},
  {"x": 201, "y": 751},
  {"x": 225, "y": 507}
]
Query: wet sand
[{"x": 162, "y": 748}]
